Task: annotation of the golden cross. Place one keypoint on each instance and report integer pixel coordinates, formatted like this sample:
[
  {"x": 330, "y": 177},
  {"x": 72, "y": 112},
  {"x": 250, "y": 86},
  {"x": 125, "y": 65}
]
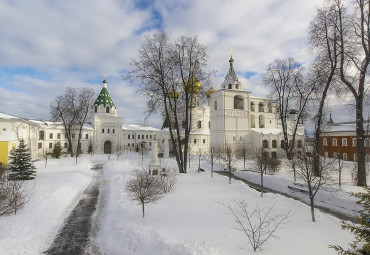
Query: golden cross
[{"x": 231, "y": 52}]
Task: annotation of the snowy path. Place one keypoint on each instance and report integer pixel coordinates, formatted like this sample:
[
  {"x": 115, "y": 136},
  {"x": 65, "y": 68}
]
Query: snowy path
[{"x": 74, "y": 236}]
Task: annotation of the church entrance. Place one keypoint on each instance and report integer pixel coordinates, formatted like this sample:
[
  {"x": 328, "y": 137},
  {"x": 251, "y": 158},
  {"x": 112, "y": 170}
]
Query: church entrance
[{"x": 108, "y": 147}]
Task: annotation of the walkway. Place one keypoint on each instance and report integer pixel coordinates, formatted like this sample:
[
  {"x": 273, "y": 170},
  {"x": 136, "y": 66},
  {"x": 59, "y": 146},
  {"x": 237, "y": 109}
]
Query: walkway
[{"x": 74, "y": 237}]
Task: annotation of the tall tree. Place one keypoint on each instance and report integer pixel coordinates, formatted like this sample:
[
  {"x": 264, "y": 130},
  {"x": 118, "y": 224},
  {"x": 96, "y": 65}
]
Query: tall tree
[
  {"x": 168, "y": 74},
  {"x": 353, "y": 30},
  {"x": 292, "y": 93},
  {"x": 324, "y": 40},
  {"x": 21, "y": 166}
]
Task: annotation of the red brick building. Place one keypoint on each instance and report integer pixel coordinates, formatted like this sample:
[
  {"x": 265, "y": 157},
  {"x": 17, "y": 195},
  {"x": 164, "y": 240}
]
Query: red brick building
[{"x": 340, "y": 141}]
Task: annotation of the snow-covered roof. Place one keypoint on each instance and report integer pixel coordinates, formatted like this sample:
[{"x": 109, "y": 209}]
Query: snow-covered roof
[
  {"x": 267, "y": 131},
  {"x": 8, "y": 136},
  {"x": 200, "y": 132},
  {"x": 344, "y": 127},
  {"x": 134, "y": 127},
  {"x": 58, "y": 124},
  {"x": 264, "y": 98},
  {"x": 7, "y": 116}
]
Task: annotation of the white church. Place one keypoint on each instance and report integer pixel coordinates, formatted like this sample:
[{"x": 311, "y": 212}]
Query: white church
[{"x": 232, "y": 116}]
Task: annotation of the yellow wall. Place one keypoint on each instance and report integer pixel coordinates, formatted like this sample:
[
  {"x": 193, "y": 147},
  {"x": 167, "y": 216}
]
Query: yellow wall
[{"x": 4, "y": 152}]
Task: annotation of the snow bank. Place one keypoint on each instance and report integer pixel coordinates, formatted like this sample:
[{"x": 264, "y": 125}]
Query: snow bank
[{"x": 56, "y": 190}]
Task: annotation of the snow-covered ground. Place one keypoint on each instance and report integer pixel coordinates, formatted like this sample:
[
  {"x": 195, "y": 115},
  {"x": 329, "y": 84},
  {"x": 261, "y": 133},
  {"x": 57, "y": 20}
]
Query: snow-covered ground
[{"x": 189, "y": 220}]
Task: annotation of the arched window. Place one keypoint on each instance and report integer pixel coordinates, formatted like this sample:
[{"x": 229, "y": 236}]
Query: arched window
[
  {"x": 354, "y": 142},
  {"x": 265, "y": 144},
  {"x": 107, "y": 109},
  {"x": 282, "y": 144},
  {"x": 215, "y": 105},
  {"x": 326, "y": 154},
  {"x": 344, "y": 142},
  {"x": 261, "y": 107},
  {"x": 261, "y": 120},
  {"x": 230, "y": 86},
  {"x": 238, "y": 102},
  {"x": 366, "y": 142},
  {"x": 334, "y": 142},
  {"x": 96, "y": 108},
  {"x": 345, "y": 156},
  {"x": 274, "y": 144},
  {"x": 325, "y": 142},
  {"x": 269, "y": 106},
  {"x": 252, "y": 106},
  {"x": 299, "y": 143}
]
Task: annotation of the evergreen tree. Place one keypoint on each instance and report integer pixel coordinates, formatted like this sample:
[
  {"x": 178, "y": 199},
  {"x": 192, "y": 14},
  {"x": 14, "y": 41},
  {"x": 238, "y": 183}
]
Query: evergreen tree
[
  {"x": 57, "y": 150},
  {"x": 361, "y": 245},
  {"x": 21, "y": 167}
]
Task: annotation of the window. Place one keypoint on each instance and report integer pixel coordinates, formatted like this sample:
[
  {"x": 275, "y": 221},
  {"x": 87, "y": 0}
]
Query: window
[
  {"x": 138, "y": 136},
  {"x": 282, "y": 144},
  {"x": 199, "y": 124},
  {"x": 299, "y": 143},
  {"x": 87, "y": 136},
  {"x": 265, "y": 144},
  {"x": 113, "y": 131},
  {"x": 215, "y": 105},
  {"x": 261, "y": 120},
  {"x": 334, "y": 142},
  {"x": 102, "y": 130},
  {"x": 128, "y": 144},
  {"x": 132, "y": 144},
  {"x": 146, "y": 136},
  {"x": 128, "y": 137},
  {"x": 238, "y": 102},
  {"x": 65, "y": 145},
  {"x": 325, "y": 142},
  {"x": 150, "y": 143},
  {"x": 335, "y": 155},
  {"x": 274, "y": 144},
  {"x": 230, "y": 86},
  {"x": 345, "y": 156},
  {"x": 234, "y": 138},
  {"x": 204, "y": 140},
  {"x": 58, "y": 136},
  {"x": 273, "y": 154},
  {"x": 50, "y": 145},
  {"x": 51, "y": 135},
  {"x": 252, "y": 106},
  {"x": 354, "y": 142},
  {"x": 96, "y": 108},
  {"x": 241, "y": 138},
  {"x": 344, "y": 142},
  {"x": 366, "y": 142},
  {"x": 41, "y": 135},
  {"x": 108, "y": 130},
  {"x": 326, "y": 154},
  {"x": 4, "y": 129},
  {"x": 260, "y": 107},
  {"x": 107, "y": 110},
  {"x": 195, "y": 140},
  {"x": 151, "y": 136},
  {"x": 40, "y": 146},
  {"x": 269, "y": 106},
  {"x": 73, "y": 136},
  {"x": 354, "y": 156}
]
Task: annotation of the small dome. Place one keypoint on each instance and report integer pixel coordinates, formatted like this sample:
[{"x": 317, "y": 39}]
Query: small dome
[
  {"x": 209, "y": 92},
  {"x": 173, "y": 94},
  {"x": 194, "y": 86},
  {"x": 104, "y": 81}
]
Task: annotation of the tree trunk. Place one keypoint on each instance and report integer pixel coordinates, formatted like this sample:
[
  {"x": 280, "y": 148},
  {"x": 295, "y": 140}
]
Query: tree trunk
[
  {"x": 361, "y": 176},
  {"x": 262, "y": 184},
  {"x": 212, "y": 168},
  {"x": 142, "y": 207},
  {"x": 312, "y": 209}
]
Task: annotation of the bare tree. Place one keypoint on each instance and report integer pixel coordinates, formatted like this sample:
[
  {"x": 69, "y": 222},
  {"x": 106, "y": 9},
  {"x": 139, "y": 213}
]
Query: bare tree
[
  {"x": 292, "y": 93},
  {"x": 142, "y": 149},
  {"x": 339, "y": 168},
  {"x": 14, "y": 194},
  {"x": 201, "y": 156},
  {"x": 211, "y": 156},
  {"x": 229, "y": 158},
  {"x": 85, "y": 102},
  {"x": 144, "y": 188},
  {"x": 259, "y": 224},
  {"x": 168, "y": 74},
  {"x": 64, "y": 109},
  {"x": 243, "y": 152},
  {"x": 353, "y": 29},
  {"x": 324, "y": 41},
  {"x": 306, "y": 173},
  {"x": 261, "y": 163},
  {"x": 168, "y": 179},
  {"x": 118, "y": 151}
]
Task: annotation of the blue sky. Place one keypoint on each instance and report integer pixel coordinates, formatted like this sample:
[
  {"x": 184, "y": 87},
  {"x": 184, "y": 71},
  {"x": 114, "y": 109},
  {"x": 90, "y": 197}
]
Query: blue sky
[{"x": 47, "y": 46}]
